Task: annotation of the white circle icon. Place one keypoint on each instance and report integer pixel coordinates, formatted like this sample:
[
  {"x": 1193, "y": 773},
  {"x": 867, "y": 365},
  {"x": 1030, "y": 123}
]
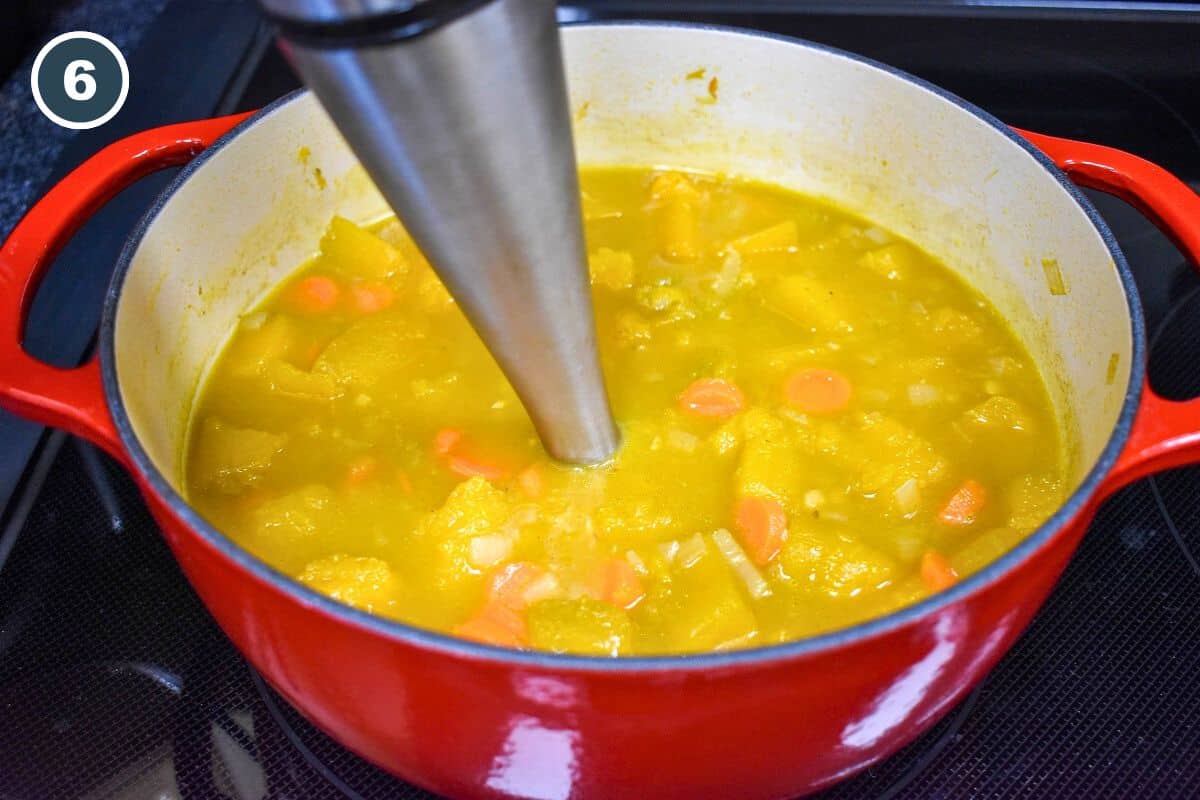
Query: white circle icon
[{"x": 80, "y": 80}]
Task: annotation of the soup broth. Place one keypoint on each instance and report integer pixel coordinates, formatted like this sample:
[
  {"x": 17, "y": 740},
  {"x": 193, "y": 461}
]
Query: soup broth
[{"x": 820, "y": 424}]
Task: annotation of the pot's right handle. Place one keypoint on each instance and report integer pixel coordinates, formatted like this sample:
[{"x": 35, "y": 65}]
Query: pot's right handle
[
  {"x": 1166, "y": 433},
  {"x": 73, "y": 399}
]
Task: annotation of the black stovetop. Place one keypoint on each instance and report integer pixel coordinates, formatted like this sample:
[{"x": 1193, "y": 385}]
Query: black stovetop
[{"x": 115, "y": 682}]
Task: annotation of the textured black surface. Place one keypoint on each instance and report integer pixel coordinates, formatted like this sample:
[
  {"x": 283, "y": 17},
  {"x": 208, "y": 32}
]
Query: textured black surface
[{"x": 115, "y": 682}]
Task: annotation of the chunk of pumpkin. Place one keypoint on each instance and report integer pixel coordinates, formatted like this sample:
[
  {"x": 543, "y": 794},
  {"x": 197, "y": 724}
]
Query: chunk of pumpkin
[
  {"x": 1004, "y": 428},
  {"x": 290, "y": 519},
  {"x": 277, "y": 338},
  {"x": 360, "y": 253},
  {"x": 612, "y": 269},
  {"x": 584, "y": 626},
  {"x": 891, "y": 262},
  {"x": 229, "y": 459},
  {"x": 834, "y": 564},
  {"x": 779, "y": 236},
  {"x": 369, "y": 352},
  {"x": 359, "y": 581},
  {"x": 1031, "y": 501},
  {"x": 702, "y": 607},
  {"x": 809, "y": 302},
  {"x": 909, "y": 456}
]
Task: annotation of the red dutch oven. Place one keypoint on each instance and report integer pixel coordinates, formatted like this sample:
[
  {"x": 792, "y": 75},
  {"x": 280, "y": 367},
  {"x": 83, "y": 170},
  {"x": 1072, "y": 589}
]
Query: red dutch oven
[{"x": 469, "y": 720}]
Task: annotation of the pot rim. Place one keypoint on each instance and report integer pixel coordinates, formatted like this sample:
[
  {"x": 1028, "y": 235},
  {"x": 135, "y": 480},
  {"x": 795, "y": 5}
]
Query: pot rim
[{"x": 450, "y": 645}]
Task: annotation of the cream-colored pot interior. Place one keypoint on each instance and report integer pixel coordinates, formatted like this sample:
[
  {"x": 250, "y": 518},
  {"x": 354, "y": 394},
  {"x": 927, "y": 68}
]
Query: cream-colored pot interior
[{"x": 892, "y": 151}]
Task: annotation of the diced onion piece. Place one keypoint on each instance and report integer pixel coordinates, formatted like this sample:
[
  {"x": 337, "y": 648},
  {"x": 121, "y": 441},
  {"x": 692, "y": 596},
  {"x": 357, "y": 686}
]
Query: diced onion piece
[
  {"x": 253, "y": 322},
  {"x": 636, "y": 562},
  {"x": 877, "y": 235},
  {"x": 490, "y": 550},
  {"x": 922, "y": 394},
  {"x": 737, "y": 559},
  {"x": 1054, "y": 277},
  {"x": 814, "y": 499},
  {"x": 691, "y": 551},
  {"x": 731, "y": 270},
  {"x": 919, "y": 308},
  {"x": 834, "y": 516},
  {"x": 907, "y": 497},
  {"x": 669, "y": 550},
  {"x": 682, "y": 440}
]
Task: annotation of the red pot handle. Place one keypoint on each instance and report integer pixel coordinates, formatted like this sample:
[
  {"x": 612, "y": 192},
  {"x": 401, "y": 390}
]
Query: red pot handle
[
  {"x": 73, "y": 399},
  {"x": 1166, "y": 433}
]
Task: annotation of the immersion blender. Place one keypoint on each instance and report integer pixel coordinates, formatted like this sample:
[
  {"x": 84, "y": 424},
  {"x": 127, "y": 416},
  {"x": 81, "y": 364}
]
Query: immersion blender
[{"x": 458, "y": 111}]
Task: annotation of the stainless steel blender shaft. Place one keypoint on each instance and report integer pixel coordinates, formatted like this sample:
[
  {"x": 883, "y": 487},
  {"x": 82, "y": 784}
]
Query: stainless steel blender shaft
[{"x": 458, "y": 111}]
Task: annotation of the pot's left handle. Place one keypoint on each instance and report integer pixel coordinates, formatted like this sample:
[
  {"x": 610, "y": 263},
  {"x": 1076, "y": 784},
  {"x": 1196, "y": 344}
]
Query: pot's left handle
[
  {"x": 73, "y": 399},
  {"x": 1166, "y": 433}
]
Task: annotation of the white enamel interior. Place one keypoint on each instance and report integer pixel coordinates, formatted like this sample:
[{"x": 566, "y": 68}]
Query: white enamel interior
[{"x": 824, "y": 124}]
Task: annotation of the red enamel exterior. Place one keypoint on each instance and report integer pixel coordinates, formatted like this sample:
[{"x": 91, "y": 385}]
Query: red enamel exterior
[{"x": 480, "y": 724}]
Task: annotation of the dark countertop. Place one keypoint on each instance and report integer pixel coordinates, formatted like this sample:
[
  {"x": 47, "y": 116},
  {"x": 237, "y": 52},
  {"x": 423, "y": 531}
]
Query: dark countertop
[
  {"x": 29, "y": 143},
  {"x": 186, "y": 61}
]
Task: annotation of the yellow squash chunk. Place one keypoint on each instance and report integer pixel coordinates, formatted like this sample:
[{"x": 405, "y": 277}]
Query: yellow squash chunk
[
  {"x": 888, "y": 454},
  {"x": 449, "y": 534},
  {"x": 295, "y": 383},
  {"x": 369, "y": 352},
  {"x": 584, "y": 626},
  {"x": 834, "y": 565},
  {"x": 779, "y": 236},
  {"x": 954, "y": 330},
  {"x": 291, "y": 522},
  {"x": 1031, "y": 501},
  {"x": 809, "y": 302},
  {"x": 273, "y": 339},
  {"x": 229, "y": 459},
  {"x": 999, "y": 413},
  {"x": 432, "y": 295},
  {"x": 359, "y": 253},
  {"x": 678, "y": 230},
  {"x": 473, "y": 508},
  {"x": 612, "y": 269},
  {"x": 359, "y": 581},
  {"x": 893, "y": 262},
  {"x": 703, "y": 607},
  {"x": 1004, "y": 428}
]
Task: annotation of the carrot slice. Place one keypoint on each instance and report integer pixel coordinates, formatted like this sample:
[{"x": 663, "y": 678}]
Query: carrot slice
[
  {"x": 762, "y": 526},
  {"x": 448, "y": 442},
  {"x": 519, "y": 585},
  {"x": 372, "y": 296},
  {"x": 964, "y": 505},
  {"x": 712, "y": 397},
  {"x": 816, "y": 390},
  {"x": 497, "y": 625},
  {"x": 315, "y": 294},
  {"x": 469, "y": 466},
  {"x": 532, "y": 481},
  {"x": 616, "y": 582},
  {"x": 361, "y": 469},
  {"x": 936, "y": 572},
  {"x": 445, "y": 440}
]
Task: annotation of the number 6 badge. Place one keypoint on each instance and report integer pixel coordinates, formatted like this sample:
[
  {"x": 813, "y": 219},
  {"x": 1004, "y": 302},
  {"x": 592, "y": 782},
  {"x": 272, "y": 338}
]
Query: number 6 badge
[{"x": 80, "y": 80}]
